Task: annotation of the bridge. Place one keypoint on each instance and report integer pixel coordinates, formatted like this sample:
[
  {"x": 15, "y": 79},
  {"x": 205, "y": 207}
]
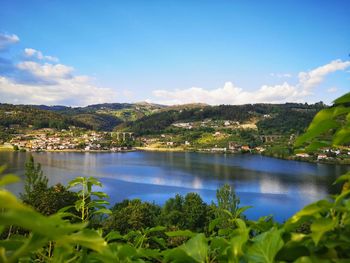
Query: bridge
[{"x": 123, "y": 135}]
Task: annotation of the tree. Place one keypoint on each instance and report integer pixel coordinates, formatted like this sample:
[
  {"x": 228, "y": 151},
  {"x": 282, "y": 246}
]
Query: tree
[
  {"x": 34, "y": 181},
  {"x": 227, "y": 199},
  {"x": 44, "y": 199},
  {"x": 194, "y": 212},
  {"x": 172, "y": 212},
  {"x": 132, "y": 215}
]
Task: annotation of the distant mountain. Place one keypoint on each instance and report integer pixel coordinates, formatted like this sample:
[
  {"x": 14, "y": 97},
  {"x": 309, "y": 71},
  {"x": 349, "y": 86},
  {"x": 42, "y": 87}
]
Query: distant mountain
[
  {"x": 270, "y": 118},
  {"x": 107, "y": 115},
  {"x": 148, "y": 118}
]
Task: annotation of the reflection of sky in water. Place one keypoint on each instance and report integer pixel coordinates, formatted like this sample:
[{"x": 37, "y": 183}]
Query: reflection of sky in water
[{"x": 272, "y": 186}]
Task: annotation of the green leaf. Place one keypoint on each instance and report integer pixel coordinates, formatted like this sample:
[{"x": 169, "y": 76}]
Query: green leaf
[
  {"x": 76, "y": 181},
  {"x": 343, "y": 99},
  {"x": 320, "y": 226},
  {"x": 113, "y": 235},
  {"x": 343, "y": 178},
  {"x": 178, "y": 255},
  {"x": 194, "y": 250},
  {"x": 342, "y": 136},
  {"x": 309, "y": 211},
  {"x": 183, "y": 233},
  {"x": 8, "y": 179},
  {"x": 102, "y": 211},
  {"x": 213, "y": 223},
  {"x": 100, "y": 194},
  {"x": 126, "y": 251},
  {"x": 98, "y": 202},
  {"x": 87, "y": 238},
  {"x": 265, "y": 247},
  {"x": 155, "y": 229}
]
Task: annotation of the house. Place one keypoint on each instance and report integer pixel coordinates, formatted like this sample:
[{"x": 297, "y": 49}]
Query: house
[
  {"x": 233, "y": 146},
  {"x": 245, "y": 148},
  {"x": 170, "y": 143},
  {"x": 217, "y": 149},
  {"x": 187, "y": 143},
  {"x": 302, "y": 155},
  {"x": 260, "y": 149},
  {"x": 321, "y": 157}
]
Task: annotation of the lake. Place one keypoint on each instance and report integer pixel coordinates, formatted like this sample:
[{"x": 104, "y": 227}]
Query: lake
[{"x": 272, "y": 186}]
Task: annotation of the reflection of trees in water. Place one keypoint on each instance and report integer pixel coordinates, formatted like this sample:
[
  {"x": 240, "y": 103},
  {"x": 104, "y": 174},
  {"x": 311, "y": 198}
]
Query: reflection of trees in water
[{"x": 189, "y": 170}]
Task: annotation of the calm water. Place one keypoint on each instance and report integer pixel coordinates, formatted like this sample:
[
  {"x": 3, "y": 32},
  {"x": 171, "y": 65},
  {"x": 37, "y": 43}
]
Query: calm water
[{"x": 272, "y": 186}]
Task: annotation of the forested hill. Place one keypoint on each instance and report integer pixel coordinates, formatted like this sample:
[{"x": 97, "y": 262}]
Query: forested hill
[
  {"x": 147, "y": 118},
  {"x": 269, "y": 118},
  {"x": 24, "y": 116}
]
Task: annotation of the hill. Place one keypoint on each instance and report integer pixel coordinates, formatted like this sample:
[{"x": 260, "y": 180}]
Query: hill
[
  {"x": 269, "y": 118},
  {"x": 24, "y": 115}
]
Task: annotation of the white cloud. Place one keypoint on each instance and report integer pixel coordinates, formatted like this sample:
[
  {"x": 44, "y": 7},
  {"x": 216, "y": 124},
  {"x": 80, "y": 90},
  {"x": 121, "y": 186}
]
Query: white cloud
[
  {"x": 30, "y": 52},
  {"x": 46, "y": 71},
  {"x": 41, "y": 82},
  {"x": 314, "y": 77},
  {"x": 332, "y": 90},
  {"x": 76, "y": 91},
  {"x": 281, "y": 75},
  {"x": 231, "y": 94},
  {"x": 7, "y": 40}
]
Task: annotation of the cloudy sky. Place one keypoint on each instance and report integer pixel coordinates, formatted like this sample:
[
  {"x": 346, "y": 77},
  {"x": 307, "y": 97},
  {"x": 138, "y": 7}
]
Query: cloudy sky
[{"x": 173, "y": 52}]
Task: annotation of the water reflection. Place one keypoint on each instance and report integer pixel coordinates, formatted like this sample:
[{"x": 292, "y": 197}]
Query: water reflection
[{"x": 272, "y": 186}]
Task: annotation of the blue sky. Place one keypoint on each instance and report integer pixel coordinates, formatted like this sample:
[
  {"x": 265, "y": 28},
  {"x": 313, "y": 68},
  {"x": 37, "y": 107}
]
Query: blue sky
[{"x": 217, "y": 52}]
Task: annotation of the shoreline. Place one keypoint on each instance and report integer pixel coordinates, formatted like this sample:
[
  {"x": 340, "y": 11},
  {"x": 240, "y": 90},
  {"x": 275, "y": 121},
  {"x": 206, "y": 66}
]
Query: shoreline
[{"x": 178, "y": 149}]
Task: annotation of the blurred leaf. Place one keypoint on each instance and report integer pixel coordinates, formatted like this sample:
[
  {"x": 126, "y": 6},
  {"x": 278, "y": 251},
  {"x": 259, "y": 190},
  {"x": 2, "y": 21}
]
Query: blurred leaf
[
  {"x": 343, "y": 99},
  {"x": 265, "y": 247},
  {"x": 320, "y": 226},
  {"x": 194, "y": 250},
  {"x": 102, "y": 211},
  {"x": 100, "y": 194},
  {"x": 87, "y": 238},
  {"x": 113, "y": 235},
  {"x": 183, "y": 233},
  {"x": 8, "y": 179},
  {"x": 343, "y": 178}
]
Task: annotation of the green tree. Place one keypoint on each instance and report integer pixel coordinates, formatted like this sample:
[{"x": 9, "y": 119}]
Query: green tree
[
  {"x": 172, "y": 212},
  {"x": 227, "y": 199},
  {"x": 35, "y": 181},
  {"x": 132, "y": 215},
  {"x": 44, "y": 199},
  {"x": 194, "y": 212}
]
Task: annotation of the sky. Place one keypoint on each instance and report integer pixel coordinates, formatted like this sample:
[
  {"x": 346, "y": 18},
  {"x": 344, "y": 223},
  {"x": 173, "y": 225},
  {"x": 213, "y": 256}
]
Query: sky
[{"x": 76, "y": 53}]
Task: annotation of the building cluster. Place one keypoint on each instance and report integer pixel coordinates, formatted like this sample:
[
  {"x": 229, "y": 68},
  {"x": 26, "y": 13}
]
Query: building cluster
[
  {"x": 49, "y": 140},
  {"x": 326, "y": 154}
]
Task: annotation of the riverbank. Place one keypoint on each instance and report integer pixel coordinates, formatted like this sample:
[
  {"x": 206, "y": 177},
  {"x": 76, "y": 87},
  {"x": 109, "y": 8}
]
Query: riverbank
[
  {"x": 9, "y": 148},
  {"x": 6, "y": 148},
  {"x": 290, "y": 158}
]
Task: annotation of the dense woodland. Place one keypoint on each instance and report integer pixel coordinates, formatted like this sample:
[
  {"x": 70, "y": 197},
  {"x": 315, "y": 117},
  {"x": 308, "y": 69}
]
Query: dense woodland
[{"x": 285, "y": 118}]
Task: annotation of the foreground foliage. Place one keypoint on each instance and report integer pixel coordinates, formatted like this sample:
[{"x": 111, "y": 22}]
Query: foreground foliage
[{"x": 318, "y": 233}]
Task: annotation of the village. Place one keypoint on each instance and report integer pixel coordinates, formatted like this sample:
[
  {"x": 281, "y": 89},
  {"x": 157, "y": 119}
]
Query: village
[
  {"x": 204, "y": 136},
  {"x": 71, "y": 140}
]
